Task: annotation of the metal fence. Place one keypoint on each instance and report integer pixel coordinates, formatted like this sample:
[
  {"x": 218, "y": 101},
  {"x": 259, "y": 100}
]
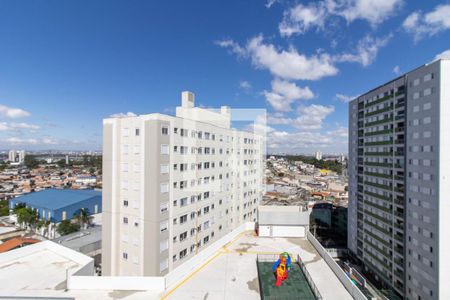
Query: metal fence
[{"x": 274, "y": 258}]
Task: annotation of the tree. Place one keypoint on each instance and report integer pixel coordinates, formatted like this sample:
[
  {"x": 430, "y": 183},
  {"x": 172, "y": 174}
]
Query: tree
[
  {"x": 31, "y": 162},
  {"x": 27, "y": 216},
  {"x": 61, "y": 163},
  {"x": 82, "y": 217},
  {"x": 67, "y": 227},
  {"x": 4, "y": 208}
]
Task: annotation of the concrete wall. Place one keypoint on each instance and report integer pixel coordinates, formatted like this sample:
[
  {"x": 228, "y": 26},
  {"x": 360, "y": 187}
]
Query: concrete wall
[
  {"x": 126, "y": 283},
  {"x": 340, "y": 274}
]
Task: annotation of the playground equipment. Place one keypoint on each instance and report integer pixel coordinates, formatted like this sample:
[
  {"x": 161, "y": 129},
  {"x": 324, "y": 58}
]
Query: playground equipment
[{"x": 281, "y": 268}]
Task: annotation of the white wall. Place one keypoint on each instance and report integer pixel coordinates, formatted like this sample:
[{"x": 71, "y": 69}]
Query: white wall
[
  {"x": 126, "y": 283},
  {"x": 288, "y": 231}
]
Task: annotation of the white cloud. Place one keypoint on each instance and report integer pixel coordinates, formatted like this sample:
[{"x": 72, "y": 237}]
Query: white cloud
[
  {"x": 345, "y": 98},
  {"x": 20, "y": 141},
  {"x": 443, "y": 55},
  {"x": 289, "y": 64},
  {"x": 269, "y": 3},
  {"x": 4, "y": 126},
  {"x": 300, "y": 18},
  {"x": 366, "y": 50},
  {"x": 421, "y": 25},
  {"x": 372, "y": 11},
  {"x": 340, "y": 132},
  {"x": 244, "y": 84},
  {"x": 49, "y": 141},
  {"x": 13, "y": 113},
  {"x": 284, "y": 93},
  {"x": 123, "y": 115},
  {"x": 282, "y": 141},
  {"x": 309, "y": 117},
  {"x": 232, "y": 46},
  {"x": 396, "y": 70}
]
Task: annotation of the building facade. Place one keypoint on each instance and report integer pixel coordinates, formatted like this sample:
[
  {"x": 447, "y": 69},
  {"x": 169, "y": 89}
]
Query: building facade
[
  {"x": 16, "y": 157},
  {"x": 399, "y": 173},
  {"x": 174, "y": 184}
]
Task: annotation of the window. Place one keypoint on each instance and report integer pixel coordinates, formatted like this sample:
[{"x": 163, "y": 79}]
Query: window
[
  {"x": 163, "y": 245},
  {"x": 164, "y": 264},
  {"x": 164, "y": 187},
  {"x": 125, "y": 202},
  {"x": 427, "y": 92},
  {"x": 136, "y": 224},
  {"x": 125, "y": 220},
  {"x": 137, "y": 149},
  {"x": 175, "y": 130},
  {"x": 165, "y": 130},
  {"x": 183, "y": 236},
  {"x": 125, "y": 132},
  {"x": 164, "y": 149},
  {"x": 184, "y": 202},
  {"x": 427, "y": 106},
  {"x": 163, "y": 226},
  {"x": 125, "y": 255},
  {"x": 183, "y": 219},
  {"x": 125, "y": 149},
  {"x": 136, "y": 132},
  {"x": 164, "y": 207},
  {"x": 428, "y": 77},
  {"x": 183, "y": 253},
  {"x": 416, "y": 81},
  {"x": 164, "y": 168}
]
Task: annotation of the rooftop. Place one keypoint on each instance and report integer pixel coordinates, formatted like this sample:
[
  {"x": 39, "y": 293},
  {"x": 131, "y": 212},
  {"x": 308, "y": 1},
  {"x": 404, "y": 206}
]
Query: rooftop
[
  {"x": 232, "y": 272},
  {"x": 38, "y": 267},
  {"x": 55, "y": 199}
]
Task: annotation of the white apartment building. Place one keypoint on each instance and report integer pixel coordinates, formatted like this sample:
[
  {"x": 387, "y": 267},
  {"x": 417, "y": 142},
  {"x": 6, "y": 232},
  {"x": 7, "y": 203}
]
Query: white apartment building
[
  {"x": 172, "y": 185},
  {"x": 318, "y": 155},
  {"x": 16, "y": 157}
]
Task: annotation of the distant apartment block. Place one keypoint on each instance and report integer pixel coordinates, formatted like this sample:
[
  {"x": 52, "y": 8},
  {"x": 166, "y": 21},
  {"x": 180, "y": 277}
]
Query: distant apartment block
[
  {"x": 172, "y": 185},
  {"x": 16, "y": 157},
  {"x": 399, "y": 182}
]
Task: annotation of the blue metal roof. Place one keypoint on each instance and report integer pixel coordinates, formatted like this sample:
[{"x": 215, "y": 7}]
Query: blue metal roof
[{"x": 54, "y": 199}]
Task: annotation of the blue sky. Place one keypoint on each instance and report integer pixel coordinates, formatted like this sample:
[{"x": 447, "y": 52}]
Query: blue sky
[{"x": 66, "y": 65}]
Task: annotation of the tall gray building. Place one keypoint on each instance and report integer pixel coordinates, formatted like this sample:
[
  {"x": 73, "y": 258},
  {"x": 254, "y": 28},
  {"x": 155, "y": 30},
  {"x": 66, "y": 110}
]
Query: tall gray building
[{"x": 399, "y": 182}]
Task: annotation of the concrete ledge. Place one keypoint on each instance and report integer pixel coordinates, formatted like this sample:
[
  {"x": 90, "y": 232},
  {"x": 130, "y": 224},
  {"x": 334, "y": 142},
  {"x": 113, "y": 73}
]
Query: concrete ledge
[
  {"x": 340, "y": 274},
  {"x": 125, "y": 283}
]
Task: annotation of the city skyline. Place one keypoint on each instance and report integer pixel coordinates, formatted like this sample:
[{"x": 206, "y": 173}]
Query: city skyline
[{"x": 60, "y": 77}]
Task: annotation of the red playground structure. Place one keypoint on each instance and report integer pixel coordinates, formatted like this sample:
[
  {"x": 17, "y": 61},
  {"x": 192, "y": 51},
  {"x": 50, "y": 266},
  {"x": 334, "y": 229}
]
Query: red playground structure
[{"x": 281, "y": 267}]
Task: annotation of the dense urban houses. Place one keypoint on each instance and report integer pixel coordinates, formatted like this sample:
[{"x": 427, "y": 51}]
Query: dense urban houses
[
  {"x": 174, "y": 184},
  {"x": 399, "y": 182}
]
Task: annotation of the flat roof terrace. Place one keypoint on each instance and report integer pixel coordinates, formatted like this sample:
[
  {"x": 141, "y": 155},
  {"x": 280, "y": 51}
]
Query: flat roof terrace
[{"x": 232, "y": 272}]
